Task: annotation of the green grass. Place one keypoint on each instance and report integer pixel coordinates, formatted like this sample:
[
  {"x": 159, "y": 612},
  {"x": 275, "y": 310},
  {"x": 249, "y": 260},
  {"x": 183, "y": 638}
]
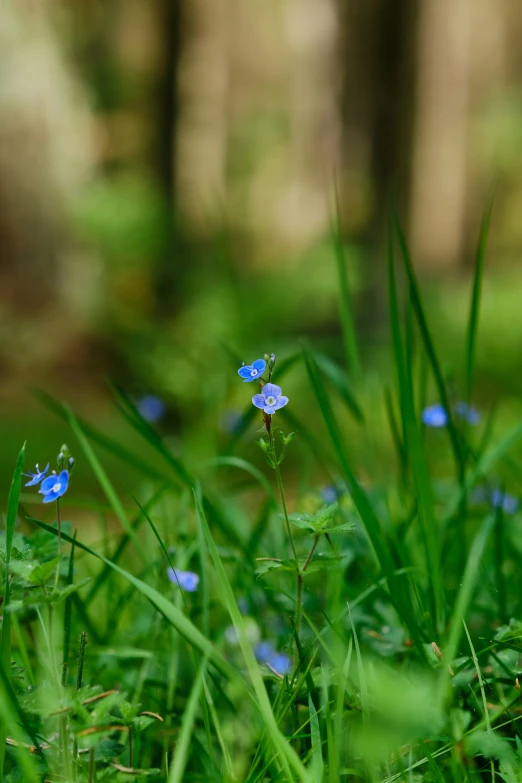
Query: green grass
[{"x": 399, "y": 620}]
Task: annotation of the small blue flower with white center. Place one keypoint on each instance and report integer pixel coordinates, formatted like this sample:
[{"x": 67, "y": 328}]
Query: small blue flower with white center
[
  {"x": 467, "y": 412},
  {"x": 53, "y": 487},
  {"x": 270, "y": 399},
  {"x": 434, "y": 416},
  {"x": 36, "y": 477},
  {"x": 187, "y": 580},
  {"x": 249, "y": 372}
]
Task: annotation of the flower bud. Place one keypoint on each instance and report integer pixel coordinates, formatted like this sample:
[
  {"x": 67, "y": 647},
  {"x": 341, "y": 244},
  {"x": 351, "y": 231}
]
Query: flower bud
[{"x": 71, "y": 463}]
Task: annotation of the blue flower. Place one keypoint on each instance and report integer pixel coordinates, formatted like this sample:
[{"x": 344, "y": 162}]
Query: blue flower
[
  {"x": 331, "y": 493},
  {"x": 53, "y": 487},
  {"x": 279, "y": 662},
  {"x": 151, "y": 407},
  {"x": 434, "y": 416},
  {"x": 507, "y": 503},
  {"x": 36, "y": 477},
  {"x": 270, "y": 399},
  {"x": 253, "y": 371},
  {"x": 187, "y": 580},
  {"x": 467, "y": 412}
]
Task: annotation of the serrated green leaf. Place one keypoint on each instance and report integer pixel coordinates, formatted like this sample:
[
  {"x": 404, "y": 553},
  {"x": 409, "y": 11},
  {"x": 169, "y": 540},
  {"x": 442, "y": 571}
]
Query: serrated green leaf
[
  {"x": 274, "y": 565},
  {"x": 42, "y": 572},
  {"x": 107, "y": 750}
]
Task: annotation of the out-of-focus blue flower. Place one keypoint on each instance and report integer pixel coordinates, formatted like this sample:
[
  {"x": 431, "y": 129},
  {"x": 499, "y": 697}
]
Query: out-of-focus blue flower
[
  {"x": 270, "y": 399},
  {"x": 467, "y": 412},
  {"x": 331, "y": 493},
  {"x": 187, "y": 580},
  {"x": 36, "y": 477},
  {"x": 152, "y": 408},
  {"x": 500, "y": 499},
  {"x": 434, "y": 416},
  {"x": 249, "y": 372},
  {"x": 53, "y": 487},
  {"x": 279, "y": 662}
]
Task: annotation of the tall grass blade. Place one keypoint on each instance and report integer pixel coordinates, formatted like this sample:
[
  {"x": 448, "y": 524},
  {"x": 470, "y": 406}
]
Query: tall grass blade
[
  {"x": 398, "y": 593},
  {"x": 165, "y": 607},
  {"x": 418, "y": 308},
  {"x": 103, "y": 480},
  {"x": 109, "y": 444},
  {"x": 180, "y": 756},
  {"x": 474, "y": 309},
  {"x": 415, "y": 454},
  {"x": 286, "y": 754},
  {"x": 351, "y": 347},
  {"x": 5, "y": 646},
  {"x": 465, "y": 593}
]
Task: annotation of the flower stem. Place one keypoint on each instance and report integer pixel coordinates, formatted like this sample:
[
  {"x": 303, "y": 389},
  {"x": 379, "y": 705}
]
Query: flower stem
[
  {"x": 59, "y": 520},
  {"x": 299, "y": 602},
  {"x": 283, "y": 500}
]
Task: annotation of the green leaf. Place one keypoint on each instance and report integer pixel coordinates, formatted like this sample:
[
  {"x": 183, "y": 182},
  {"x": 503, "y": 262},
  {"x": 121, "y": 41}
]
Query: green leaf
[
  {"x": 275, "y": 565},
  {"x": 42, "y": 572},
  {"x": 107, "y": 750},
  {"x": 38, "y": 597}
]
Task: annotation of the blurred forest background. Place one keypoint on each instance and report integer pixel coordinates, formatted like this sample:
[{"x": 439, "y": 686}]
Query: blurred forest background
[{"x": 167, "y": 180}]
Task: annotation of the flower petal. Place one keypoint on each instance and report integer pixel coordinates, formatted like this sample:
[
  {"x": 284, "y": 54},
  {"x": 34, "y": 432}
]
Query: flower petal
[
  {"x": 48, "y": 483},
  {"x": 51, "y": 496},
  {"x": 259, "y": 365},
  {"x": 259, "y": 401},
  {"x": 280, "y": 402},
  {"x": 244, "y": 372},
  {"x": 64, "y": 481},
  {"x": 269, "y": 409},
  {"x": 271, "y": 390}
]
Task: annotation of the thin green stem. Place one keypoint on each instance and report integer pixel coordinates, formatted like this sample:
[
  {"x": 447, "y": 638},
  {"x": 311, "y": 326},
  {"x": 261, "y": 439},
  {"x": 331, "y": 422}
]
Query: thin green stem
[
  {"x": 300, "y": 579},
  {"x": 283, "y": 500},
  {"x": 59, "y": 520}
]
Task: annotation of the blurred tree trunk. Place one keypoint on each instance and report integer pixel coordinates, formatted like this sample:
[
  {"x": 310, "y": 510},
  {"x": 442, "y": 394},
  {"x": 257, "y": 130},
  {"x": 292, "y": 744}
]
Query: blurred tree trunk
[
  {"x": 377, "y": 110},
  {"x": 440, "y": 160}
]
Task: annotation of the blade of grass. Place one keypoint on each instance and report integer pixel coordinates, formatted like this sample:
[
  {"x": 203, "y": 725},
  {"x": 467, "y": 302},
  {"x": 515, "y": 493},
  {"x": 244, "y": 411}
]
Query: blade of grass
[
  {"x": 351, "y": 347},
  {"x": 179, "y": 759},
  {"x": 287, "y": 755},
  {"x": 103, "y": 480},
  {"x": 415, "y": 455},
  {"x": 474, "y": 309},
  {"x": 316, "y": 764},
  {"x": 429, "y": 347},
  {"x": 465, "y": 593},
  {"x": 107, "y": 443},
  {"x": 376, "y": 537},
  {"x": 142, "y": 426},
  {"x": 5, "y": 647},
  {"x": 165, "y": 607},
  {"x": 67, "y": 617},
  {"x": 122, "y": 545}
]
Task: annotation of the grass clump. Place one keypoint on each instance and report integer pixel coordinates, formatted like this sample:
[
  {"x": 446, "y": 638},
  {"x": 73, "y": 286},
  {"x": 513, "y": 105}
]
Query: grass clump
[{"x": 243, "y": 629}]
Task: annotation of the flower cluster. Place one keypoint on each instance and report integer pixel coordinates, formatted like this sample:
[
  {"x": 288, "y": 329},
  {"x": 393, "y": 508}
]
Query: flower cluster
[
  {"x": 271, "y": 398},
  {"x": 54, "y": 485}
]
